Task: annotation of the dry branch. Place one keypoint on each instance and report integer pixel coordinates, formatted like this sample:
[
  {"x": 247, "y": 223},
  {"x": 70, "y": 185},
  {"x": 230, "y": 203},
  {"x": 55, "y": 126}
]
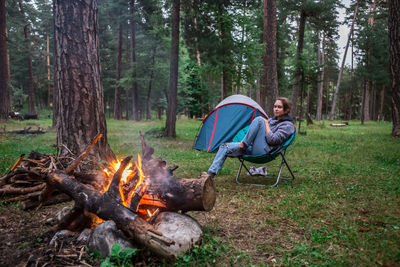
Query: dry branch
[
  {"x": 85, "y": 153},
  {"x": 18, "y": 162},
  {"x": 11, "y": 190}
]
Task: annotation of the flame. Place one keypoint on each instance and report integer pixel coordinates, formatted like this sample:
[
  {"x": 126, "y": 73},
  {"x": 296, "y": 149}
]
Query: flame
[{"x": 147, "y": 201}]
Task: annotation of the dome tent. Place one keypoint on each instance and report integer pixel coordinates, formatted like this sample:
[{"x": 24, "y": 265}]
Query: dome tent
[{"x": 222, "y": 124}]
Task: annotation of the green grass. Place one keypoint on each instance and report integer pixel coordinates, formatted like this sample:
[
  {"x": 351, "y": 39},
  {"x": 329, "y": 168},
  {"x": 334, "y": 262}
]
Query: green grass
[{"x": 343, "y": 208}]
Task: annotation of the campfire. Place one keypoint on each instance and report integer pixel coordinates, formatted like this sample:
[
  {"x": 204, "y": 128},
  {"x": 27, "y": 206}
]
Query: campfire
[
  {"x": 133, "y": 189},
  {"x": 140, "y": 197}
]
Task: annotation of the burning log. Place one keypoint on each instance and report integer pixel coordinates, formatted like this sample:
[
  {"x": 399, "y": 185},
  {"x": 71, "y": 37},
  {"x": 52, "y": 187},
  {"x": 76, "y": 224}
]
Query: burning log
[
  {"x": 185, "y": 194},
  {"x": 107, "y": 208}
]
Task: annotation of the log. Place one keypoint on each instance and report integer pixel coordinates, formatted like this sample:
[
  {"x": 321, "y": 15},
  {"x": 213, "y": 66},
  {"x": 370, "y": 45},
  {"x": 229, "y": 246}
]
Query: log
[
  {"x": 27, "y": 131},
  {"x": 107, "y": 208},
  {"x": 339, "y": 124},
  {"x": 185, "y": 194},
  {"x": 177, "y": 194}
]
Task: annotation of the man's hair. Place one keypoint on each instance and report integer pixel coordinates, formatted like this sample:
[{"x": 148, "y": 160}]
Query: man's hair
[{"x": 286, "y": 104}]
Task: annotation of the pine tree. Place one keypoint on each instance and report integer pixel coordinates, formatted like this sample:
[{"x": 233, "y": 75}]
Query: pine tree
[
  {"x": 394, "y": 37},
  {"x": 173, "y": 80},
  {"x": 4, "y": 99},
  {"x": 79, "y": 92}
]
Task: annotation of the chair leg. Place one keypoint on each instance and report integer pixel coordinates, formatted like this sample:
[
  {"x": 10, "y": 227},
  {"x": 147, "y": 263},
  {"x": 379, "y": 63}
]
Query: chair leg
[
  {"x": 279, "y": 173},
  {"x": 287, "y": 165},
  {"x": 242, "y": 164},
  {"x": 283, "y": 161},
  {"x": 238, "y": 173}
]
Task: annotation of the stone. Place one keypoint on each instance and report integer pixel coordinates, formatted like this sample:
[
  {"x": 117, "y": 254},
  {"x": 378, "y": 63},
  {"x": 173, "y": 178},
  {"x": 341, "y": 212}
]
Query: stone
[
  {"x": 181, "y": 228},
  {"x": 84, "y": 236},
  {"x": 63, "y": 235},
  {"x": 104, "y": 236}
]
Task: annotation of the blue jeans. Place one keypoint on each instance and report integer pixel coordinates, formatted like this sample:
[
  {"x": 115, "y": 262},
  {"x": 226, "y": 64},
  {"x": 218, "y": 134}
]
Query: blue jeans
[{"x": 254, "y": 140}]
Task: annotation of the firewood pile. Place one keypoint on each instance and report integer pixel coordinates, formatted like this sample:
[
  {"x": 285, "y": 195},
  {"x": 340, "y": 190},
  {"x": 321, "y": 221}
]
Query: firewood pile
[
  {"x": 26, "y": 181},
  {"x": 140, "y": 198}
]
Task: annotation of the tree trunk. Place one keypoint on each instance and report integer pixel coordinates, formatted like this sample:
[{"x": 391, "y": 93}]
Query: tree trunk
[
  {"x": 4, "y": 99},
  {"x": 373, "y": 101},
  {"x": 381, "y": 102},
  {"x": 394, "y": 42},
  {"x": 321, "y": 63},
  {"x": 135, "y": 93},
  {"x": 342, "y": 67},
  {"x": 148, "y": 100},
  {"x": 196, "y": 39},
  {"x": 128, "y": 66},
  {"x": 31, "y": 94},
  {"x": 48, "y": 73},
  {"x": 79, "y": 91},
  {"x": 365, "y": 102},
  {"x": 327, "y": 93},
  {"x": 270, "y": 75},
  {"x": 118, "y": 89},
  {"x": 298, "y": 74},
  {"x": 173, "y": 78}
]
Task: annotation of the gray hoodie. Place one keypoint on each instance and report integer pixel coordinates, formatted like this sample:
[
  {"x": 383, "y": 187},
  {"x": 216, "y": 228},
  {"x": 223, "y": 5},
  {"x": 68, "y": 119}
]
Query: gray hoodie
[{"x": 281, "y": 130}]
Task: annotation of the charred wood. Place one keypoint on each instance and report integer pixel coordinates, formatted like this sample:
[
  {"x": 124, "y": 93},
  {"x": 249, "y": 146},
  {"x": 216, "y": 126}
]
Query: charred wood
[{"x": 107, "y": 208}]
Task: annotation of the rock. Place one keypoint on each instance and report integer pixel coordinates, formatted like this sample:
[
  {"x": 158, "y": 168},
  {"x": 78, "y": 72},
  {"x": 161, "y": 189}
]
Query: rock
[
  {"x": 104, "y": 236},
  {"x": 84, "y": 236},
  {"x": 61, "y": 236},
  {"x": 60, "y": 215},
  {"x": 183, "y": 229}
]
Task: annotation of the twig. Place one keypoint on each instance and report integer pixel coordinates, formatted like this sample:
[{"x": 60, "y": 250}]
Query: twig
[
  {"x": 75, "y": 163},
  {"x": 35, "y": 162},
  {"x": 84, "y": 263},
  {"x": 67, "y": 149},
  {"x": 18, "y": 162}
]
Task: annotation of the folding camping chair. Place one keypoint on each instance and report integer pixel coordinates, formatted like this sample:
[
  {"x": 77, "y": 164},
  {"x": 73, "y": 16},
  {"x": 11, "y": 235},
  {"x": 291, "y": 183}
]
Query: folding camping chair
[{"x": 265, "y": 158}]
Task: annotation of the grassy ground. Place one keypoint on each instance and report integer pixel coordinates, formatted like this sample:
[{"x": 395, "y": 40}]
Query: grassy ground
[{"x": 343, "y": 208}]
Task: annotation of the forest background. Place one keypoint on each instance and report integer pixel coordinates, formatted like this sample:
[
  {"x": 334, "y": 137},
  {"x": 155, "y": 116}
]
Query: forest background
[{"x": 222, "y": 51}]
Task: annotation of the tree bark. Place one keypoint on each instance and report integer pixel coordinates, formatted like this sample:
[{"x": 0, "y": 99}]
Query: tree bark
[
  {"x": 148, "y": 100},
  {"x": 298, "y": 74},
  {"x": 31, "y": 94},
  {"x": 365, "y": 102},
  {"x": 342, "y": 67},
  {"x": 48, "y": 72},
  {"x": 321, "y": 63},
  {"x": 118, "y": 89},
  {"x": 135, "y": 93},
  {"x": 79, "y": 91},
  {"x": 394, "y": 42},
  {"x": 381, "y": 103},
  {"x": 173, "y": 79},
  {"x": 270, "y": 75},
  {"x": 4, "y": 99}
]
